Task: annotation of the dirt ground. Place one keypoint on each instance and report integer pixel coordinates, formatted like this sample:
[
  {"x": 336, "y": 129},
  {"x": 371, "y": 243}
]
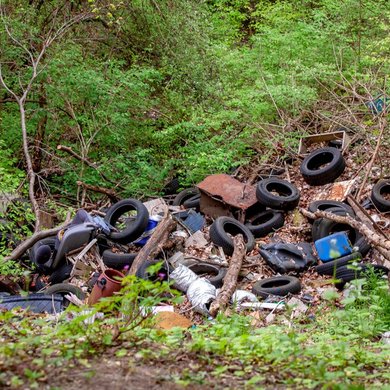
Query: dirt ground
[{"x": 116, "y": 374}]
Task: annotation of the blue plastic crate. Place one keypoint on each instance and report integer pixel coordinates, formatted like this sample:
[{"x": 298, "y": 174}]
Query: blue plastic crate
[{"x": 334, "y": 246}]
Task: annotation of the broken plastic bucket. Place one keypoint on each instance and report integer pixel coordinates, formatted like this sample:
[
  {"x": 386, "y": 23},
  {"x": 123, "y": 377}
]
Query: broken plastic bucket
[
  {"x": 333, "y": 246},
  {"x": 108, "y": 283}
]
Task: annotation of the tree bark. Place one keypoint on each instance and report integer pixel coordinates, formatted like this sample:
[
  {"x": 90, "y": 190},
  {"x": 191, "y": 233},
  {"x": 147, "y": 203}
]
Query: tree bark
[
  {"x": 30, "y": 172},
  {"x": 40, "y": 133},
  {"x": 106, "y": 191},
  {"x": 230, "y": 280},
  {"x": 27, "y": 244}
]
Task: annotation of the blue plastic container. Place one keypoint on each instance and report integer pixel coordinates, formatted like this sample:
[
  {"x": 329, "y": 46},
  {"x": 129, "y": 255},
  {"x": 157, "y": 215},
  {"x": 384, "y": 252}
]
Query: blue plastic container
[
  {"x": 150, "y": 228},
  {"x": 334, "y": 246}
]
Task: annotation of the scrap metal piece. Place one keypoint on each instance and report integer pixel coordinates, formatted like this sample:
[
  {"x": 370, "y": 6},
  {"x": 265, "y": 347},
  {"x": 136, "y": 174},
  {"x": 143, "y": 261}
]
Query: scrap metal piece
[{"x": 222, "y": 195}]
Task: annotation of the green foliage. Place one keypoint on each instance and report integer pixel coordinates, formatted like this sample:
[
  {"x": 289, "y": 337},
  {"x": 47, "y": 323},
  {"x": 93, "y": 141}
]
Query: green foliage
[
  {"x": 339, "y": 347},
  {"x": 10, "y": 176},
  {"x": 151, "y": 90},
  {"x": 16, "y": 223}
]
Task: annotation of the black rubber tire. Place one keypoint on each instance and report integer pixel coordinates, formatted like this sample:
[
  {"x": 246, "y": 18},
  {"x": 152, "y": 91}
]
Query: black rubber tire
[
  {"x": 50, "y": 241},
  {"x": 36, "y": 303},
  {"x": 278, "y": 285},
  {"x": 316, "y": 173},
  {"x": 379, "y": 189},
  {"x": 325, "y": 205},
  {"x": 132, "y": 230},
  {"x": 323, "y": 227},
  {"x": 265, "y": 222},
  {"x": 143, "y": 273},
  {"x": 192, "y": 203},
  {"x": 219, "y": 234},
  {"x": 63, "y": 289},
  {"x": 205, "y": 268},
  {"x": 287, "y": 197},
  {"x": 362, "y": 245},
  {"x": 330, "y": 267},
  {"x": 60, "y": 274},
  {"x": 315, "y": 229},
  {"x": 345, "y": 274},
  {"x": 336, "y": 143},
  {"x": 117, "y": 261},
  {"x": 184, "y": 195},
  {"x": 171, "y": 187}
]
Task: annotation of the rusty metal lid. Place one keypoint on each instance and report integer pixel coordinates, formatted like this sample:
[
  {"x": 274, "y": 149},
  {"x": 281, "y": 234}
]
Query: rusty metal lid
[{"x": 228, "y": 190}]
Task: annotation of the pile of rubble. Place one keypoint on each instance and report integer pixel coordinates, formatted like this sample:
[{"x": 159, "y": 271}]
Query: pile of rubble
[{"x": 222, "y": 242}]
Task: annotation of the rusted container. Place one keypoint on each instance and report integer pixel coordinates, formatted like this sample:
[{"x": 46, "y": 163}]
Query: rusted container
[{"x": 222, "y": 195}]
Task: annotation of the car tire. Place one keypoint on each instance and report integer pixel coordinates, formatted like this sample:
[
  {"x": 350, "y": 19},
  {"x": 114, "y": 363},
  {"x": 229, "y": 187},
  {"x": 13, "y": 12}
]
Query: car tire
[
  {"x": 60, "y": 274},
  {"x": 287, "y": 197},
  {"x": 265, "y": 222},
  {"x": 133, "y": 230},
  {"x": 50, "y": 241},
  {"x": 184, "y": 195},
  {"x": 316, "y": 227},
  {"x": 330, "y": 267},
  {"x": 278, "y": 285},
  {"x": 63, "y": 289},
  {"x": 192, "y": 203},
  {"x": 162, "y": 275},
  {"x": 325, "y": 205},
  {"x": 219, "y": 234},
  {"x": 345, "y": 274},
  {"x": 205, "y": 268},
  {"x": 377, "y": 198},
  {"x": 323, "y": 227},
  {"x": 322, "y": 166},
  {"x": 118, "y": 261}
]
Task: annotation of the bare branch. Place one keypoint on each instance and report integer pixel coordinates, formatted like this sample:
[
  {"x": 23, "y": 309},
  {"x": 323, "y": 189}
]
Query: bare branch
[
  {"x": 380, "y": 243},
  {"x": 11, "y": 36}
]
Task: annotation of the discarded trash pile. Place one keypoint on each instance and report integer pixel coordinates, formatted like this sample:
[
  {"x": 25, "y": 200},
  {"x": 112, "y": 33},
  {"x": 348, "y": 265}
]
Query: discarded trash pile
[{"x": 194, "y": 236}]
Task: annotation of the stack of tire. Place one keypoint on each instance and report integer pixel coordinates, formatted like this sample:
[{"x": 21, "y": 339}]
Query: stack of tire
[
  {"x": 188, "y": 198},
  {"x": 122, "y": 233},
  {"x": 275, "y": 197},
  {"x": 323, "y": 227}
]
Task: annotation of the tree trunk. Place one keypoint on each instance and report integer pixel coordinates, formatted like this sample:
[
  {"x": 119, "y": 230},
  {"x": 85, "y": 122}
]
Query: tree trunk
[
  {"x": 30, "y": 171},
  {"x": 40, "y": 135}
]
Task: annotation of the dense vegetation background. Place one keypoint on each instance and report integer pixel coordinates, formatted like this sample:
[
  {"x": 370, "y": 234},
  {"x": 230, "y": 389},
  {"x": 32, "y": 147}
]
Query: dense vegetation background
[{"x": 149, "y": 89}]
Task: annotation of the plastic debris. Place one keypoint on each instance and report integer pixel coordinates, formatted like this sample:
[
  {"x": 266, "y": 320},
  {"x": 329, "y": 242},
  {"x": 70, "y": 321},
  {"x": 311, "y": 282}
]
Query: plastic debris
[
  {"x": 197, "y": 239},
  {"x": 240, "y": 296},
  {"x": 183, "y": 277},
  {"x": 288, "y": 257},
  {"x": 150, "y": 228},
  {"x": 263, "y": 305},
  {"x": 201, "y": 293},
  {"x": 333, "y": 246}
]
